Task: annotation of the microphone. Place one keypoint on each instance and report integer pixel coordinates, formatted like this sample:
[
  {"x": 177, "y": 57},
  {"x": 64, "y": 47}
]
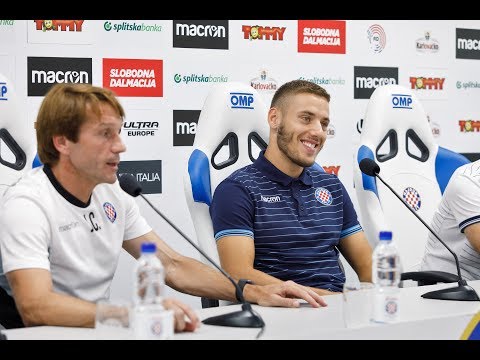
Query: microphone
[
  {"x": 461, "y": 292},
  {"x": 246, "y": 317}
]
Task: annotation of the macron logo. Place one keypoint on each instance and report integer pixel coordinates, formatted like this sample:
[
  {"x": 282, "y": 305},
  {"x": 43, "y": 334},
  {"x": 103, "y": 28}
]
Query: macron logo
[{"x": 270, "y": 199}]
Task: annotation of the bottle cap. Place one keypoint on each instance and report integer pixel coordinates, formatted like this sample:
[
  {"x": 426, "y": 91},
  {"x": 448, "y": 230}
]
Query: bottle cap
[
  {"x": 385, "y": 235},
  {"x": 149, "y": 247}
]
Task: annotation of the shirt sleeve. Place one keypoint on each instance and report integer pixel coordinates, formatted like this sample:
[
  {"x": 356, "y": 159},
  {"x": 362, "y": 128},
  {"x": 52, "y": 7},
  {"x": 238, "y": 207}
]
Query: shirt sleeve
[
  {"x": 232, "y": 210},
  {"x": 350, "y": 219},
  {"x": 462, "y": 197},
  {"x": 25, "y": 235}
]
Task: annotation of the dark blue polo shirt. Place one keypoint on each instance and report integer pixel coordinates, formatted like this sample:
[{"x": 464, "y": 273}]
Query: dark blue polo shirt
[{"x": 296, "y": 223}]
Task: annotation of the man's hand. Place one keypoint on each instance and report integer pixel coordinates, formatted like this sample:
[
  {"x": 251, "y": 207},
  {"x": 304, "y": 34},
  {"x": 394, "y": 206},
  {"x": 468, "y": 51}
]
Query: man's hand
[
  {"x": 185, "y": 317},
  {"x": 285, "y": 294}
]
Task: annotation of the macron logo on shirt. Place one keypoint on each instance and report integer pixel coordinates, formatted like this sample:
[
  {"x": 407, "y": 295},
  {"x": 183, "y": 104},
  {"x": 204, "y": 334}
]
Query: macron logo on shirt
[{"x": 270, "y": 199}]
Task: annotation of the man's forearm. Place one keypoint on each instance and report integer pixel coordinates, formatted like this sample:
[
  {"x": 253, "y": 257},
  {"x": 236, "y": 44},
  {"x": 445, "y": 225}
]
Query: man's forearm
[
  {"x": 192, "y": 277},
  {"x": 57, "y": 310}
]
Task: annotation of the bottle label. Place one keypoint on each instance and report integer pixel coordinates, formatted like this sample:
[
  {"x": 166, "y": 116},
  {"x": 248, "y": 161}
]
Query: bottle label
[
  {"x": 386, "y": 307},
  {"x": 154, "y": 325}
]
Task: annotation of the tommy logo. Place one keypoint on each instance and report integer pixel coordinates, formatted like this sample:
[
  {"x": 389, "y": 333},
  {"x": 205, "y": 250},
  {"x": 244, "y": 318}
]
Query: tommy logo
[
  {"x": 270, "y": 199},
  {"x": 323, "y": 196},
  {"x": 412, "y": 198},
  {"x": 110, "y": 211}
]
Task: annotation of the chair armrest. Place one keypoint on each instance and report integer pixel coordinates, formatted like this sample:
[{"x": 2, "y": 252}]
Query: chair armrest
[{"x": 429, "y": 277}]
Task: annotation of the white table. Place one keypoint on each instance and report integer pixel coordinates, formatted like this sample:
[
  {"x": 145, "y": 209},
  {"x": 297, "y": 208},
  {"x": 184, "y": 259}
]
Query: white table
[{"x": 420, "y": 319}]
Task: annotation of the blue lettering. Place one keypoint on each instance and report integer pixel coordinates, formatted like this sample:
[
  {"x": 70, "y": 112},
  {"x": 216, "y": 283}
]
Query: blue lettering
[
  {"x": 402, "y": 101},
  {"x": 242, "y": 100},
  {"x": 3, "y": 92}
]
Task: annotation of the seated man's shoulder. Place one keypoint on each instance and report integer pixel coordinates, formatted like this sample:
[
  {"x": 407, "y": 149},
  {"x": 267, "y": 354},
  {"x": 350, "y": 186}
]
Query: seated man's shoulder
[
  {"x": 29, "y": 184},
  {"x": 241, "y": 173}
]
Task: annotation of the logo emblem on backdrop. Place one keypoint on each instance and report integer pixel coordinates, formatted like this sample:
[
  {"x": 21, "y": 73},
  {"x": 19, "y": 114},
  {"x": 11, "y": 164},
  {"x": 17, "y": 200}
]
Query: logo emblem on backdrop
[
  {"x": 110, "y": 211},
  {"x": 323, "y": 196},
  {"x": 331, "y": 131},
  {"x": 147, "y": 172},
  {"x": 467, "y": 44},
  {"x": 367, "y": 78},
  {"x": 200, "y": 34},
  {"x": 412, "y": 198},
  {"x": 185, "y": 127},
  {"x": 322, "y": 36},
  {"x": 44, "y": 72},
  {"x": 434, "y": 126},
  {"x": 377, "y": 38},
  {"x": 469, "y": 125},
  {"x": 55, "y": 25},
  {"x": 263, "y": 32},
  {"x": 263, "y": 82},
  {"x": 427, "y": 44},
  {"x": 333, "y": 169},
  {"x": 426, "y": 83},
  {"x": 134, "y": 77}
]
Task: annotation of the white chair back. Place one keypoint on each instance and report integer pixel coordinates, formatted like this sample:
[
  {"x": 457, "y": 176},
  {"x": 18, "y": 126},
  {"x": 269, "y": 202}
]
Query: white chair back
[
  {"x": 231, "y": 131},
  {"x": 397, "y": 135}
]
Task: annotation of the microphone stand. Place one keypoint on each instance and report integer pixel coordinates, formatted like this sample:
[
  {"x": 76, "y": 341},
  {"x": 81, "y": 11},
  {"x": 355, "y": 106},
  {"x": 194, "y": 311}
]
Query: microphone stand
[
  {"x": 461, "y": 292},
  {"x": 246, "y": 317}
]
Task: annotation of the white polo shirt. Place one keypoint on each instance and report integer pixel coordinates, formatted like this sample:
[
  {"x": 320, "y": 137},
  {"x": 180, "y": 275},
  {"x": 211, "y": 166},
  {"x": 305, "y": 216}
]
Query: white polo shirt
[
  {"x": 43, "y": 226},
  {"x": 459, "y": 208}
]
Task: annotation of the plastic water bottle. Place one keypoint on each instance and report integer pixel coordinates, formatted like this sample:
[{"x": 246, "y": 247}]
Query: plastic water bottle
[
  {"x": 151, "y": 320},
  {"x": 386, "y": 269}
]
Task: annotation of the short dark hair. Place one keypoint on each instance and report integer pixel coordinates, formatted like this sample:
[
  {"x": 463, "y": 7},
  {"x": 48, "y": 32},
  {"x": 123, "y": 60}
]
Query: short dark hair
[{"x": 295, "y": 87}]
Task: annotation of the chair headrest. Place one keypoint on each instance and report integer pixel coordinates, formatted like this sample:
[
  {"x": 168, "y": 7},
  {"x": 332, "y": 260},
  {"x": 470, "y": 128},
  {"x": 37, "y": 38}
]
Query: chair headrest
[
  {"x": 231, "y": 107},
  {"x": 396, "y": 128}
]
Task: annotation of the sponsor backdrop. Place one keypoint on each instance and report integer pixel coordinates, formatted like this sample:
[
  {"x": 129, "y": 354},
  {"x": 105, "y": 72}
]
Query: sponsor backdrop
[{"x": 163, "y": 70}]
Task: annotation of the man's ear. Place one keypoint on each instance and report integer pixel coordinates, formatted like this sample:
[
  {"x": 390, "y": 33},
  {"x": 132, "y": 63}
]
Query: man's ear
[
  {"x": 61, "y": 144},
  {"x": 273, "y": 118}
]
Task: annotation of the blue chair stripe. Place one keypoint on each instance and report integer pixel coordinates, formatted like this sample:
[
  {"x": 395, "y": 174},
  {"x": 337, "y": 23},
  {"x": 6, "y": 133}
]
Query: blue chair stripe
[
  {"x": 199, "y": 172},
  {"x": 446, "y": 163},
  {"x": 368, "y": 182}
]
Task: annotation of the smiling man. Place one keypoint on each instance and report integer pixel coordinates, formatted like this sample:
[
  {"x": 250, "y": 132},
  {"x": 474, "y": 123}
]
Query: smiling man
[{"x": 282, "y": 217}]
